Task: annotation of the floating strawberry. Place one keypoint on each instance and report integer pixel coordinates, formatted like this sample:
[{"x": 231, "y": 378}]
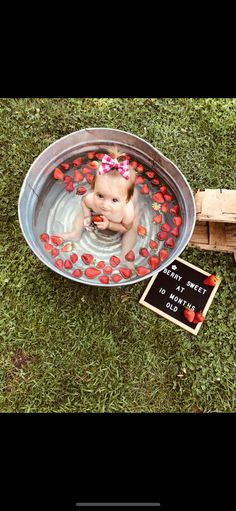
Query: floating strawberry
[
  {"x": 78, "y": 176},
  {"x": 54, "y": 252},
  {"x": 141, "y": 271},
  {"x": 59, "y": 264},
  {"x": 145, "y": 189},
  {"x": 107, "y": 270},
  {"x": 150, "y": 174},
  {"x": 56, "y": 240},
  {"x": 65, "y": 166},
  {"x": 67, "y": 264},
  {"x": 134, "y": 164},
  {"x": 101, "y": 264},
  {"x": 163, "y": 189},
  {"x": 85, "y": 170},
  {"x": 166, "y": 227},
  {"x": 89, "y": 178},
  {"x": 99, "y": 156},
  {"x": 48, "y": 247},
  {"x": 44, "y": 237},
  {"x": 142, "y": 231},
  {"x": 74, "y": 258},
  {"x": 92, "y": 273},
  {"x": 77, "y": 273},
  {"x": 81, "y": 190},
  {"x": 157, "y": 219},
  {"x": 77, "y": 162},
  {"x": 69, "y": 187},
  {"x": 163, "y": 254},
  {"x": 170, "y": 242},
  {"x": 211, "y": 280},
  {"x": 155, "y": 181},
  {"x": 154, "y": 262},
  {"x": 158, "y": 197},
  {"x": 198, "y": 318},
  {"x": 177, "y": 220},
  {"x": 162, "y": 235},
  {"x": 153, "y": 244},
  {"x": 139, "y": 180},
  {"x": 67, "y": 179},
  {"x": 175, "y": 209},
  {"x": 130, "y": 256},
  {"x": 58, "y": 174},
  {"x": 189, "y": 314},
  {"x": 114, "y": 261},
  {"x": 164, "y": 207},
  {"x": 175, "y": 232},
  {"x": 104, "y": 279},
  {"x": 97, "y": 218},
  {"x": 139, "y": 168},
  {"x": 93, "y": 164},
  {"x": 168, "y": 197},
  {"x": 67, "y": 248},
  {"x": 116, "y": 277},
  {"x": 87, "y": 258},
  {"x": 125, "y": 272},
  {"x": 144, "y": 252},
  {"x": 91, "y": 155}
]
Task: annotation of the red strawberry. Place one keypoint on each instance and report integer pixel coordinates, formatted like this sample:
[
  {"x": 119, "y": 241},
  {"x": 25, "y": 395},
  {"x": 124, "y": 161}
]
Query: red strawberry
[
  {"x": 168, "y": 197},
  {"x": 65, "y": 166},
  {"x": 91, "y": 273},
  {"x": 44, "y": 237},
  {"x": 104, "y": 279},
  {"x": 155, "y": 181},
  {"x": 77, "y": 162},
  {"x": 81, "y": 190},
  {"x": 77, "y": 273},
  {"x": 87, "y": 258},
  {"x": 162, "y": 235},
  {"x": 141, "y": 271},
  {"x": 189, "y": 314},
  {"x": 175, "y": 209},
  {"x": 99, "y": 156},
  {"x": 93, "y": 164},
  {"x": 153, "y": 244},
  {"x": 134, "y": 164},
  {"x": 91, "y": 155},
  {"x": 56, "y": 240},
  {"x": 114, "y": 261},
  {"x": 164, "y": 208},
  {"x": 125, "y": 272},
  {"x": 54, "y": 252},
  {"x": 108, "y": 270},
  {"x": 130, "y": 256},
  {"x": 139, "y": 180},
  {"x": 145, "y": 189},
  {"x": 70, "y": 187},
  {"x": 67, "y": 264},
  {"x": 67, "y": 247},
  {"x": 78, "y": 176},
  {"x": 74, "y": 258},
  {"x": 144, "y": 252},
  {"x": 97, "y": 218},
  {"x": 142, "y": 231},
  {"x": 158, "y": 197},
  {"x": 150, "y": 174},
  {"x": 67, "y": 179},
  {"x": 165, "y": 227},
  {"x": 163, "y": 189},
  {"x": 163, "y": 254},
  {"x": 157, "y": 219},
  {"x": 101, "y": 264},
  {"x": 170, "y": 242},
  {"x": 116, "y": 277},
  {"x": 211, "y": 280},
  {"x": 198, "y": 318},
  {"x": 89, "y": 178},
  {"x": 139, "y": 168},
  {"x": 85, "y": 170},
  {"x": 175, "y": 232},
  {"x": 59, "y": 264},
  {"x": 177, "y": 220},
  {"x": 153, "y": 261},
  {"x": 58, "y": 174},
  {"x": 48, "y": 247}
]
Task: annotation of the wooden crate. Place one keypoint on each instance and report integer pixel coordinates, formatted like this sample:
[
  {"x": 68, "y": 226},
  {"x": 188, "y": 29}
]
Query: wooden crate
[{"x": 215, "y": 227}]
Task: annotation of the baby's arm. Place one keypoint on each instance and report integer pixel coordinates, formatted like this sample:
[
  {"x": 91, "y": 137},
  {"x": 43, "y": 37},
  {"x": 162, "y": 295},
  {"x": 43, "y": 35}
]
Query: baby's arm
[{"x": 123, "y": 226}]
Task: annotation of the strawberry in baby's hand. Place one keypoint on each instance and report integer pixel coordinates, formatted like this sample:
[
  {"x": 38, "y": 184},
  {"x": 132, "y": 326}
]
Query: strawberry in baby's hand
[
  {"x": 211, "y": 280},
  {"x": 97, "y": 218}
]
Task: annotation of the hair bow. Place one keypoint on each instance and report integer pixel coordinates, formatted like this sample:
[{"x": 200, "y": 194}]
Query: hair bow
[{"x": 109, "y": 163}]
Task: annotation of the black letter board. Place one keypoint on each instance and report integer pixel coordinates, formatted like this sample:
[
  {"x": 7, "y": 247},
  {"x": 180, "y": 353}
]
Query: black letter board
[{"x": 178, "y": 286}]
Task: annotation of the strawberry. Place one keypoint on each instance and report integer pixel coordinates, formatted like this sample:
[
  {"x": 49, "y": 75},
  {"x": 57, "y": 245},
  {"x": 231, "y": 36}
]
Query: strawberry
[
  {"x": 175, "y": 232},
  {"x": 65, "y": 166},
  {"x": 145, "y": 189},
  {"x": 144, "y": 252},
  {"x": 58, "y": 174},
  {"x": 67, "y": 179},
  {"x": 139, "y": 180},
  {"x": 81, "y": 190},
  {"x": 157, "y": 219},
  {"x": 67, "y": 264},
  {"x": 99, "y": 156},
  {"x": 155, "y": 181},
  {"x": 198, "y": 318},
  {"x": 67, "y": 247},
  {"x": 97, "y": 218},
  {"x": 127, "y": 157},
  {"x": 114, "y": 261},
  {"x": 59, "y": 264},
  {"x": 125, "y": 272},
  {"x": 170, "y": 242},
  {"x": 70, "y": 187},
  {"x": 130, "y": 256},
  {"x": 77, "y": 162},
  {"x": 116, "y": 277},
  {"x": 85, "y": 170},
  {"x": 142, "y": 231},
  {"x": 165, "y": 227},
  {"x": 163, "y": 189},
  {"x": 175, "y": 209},
  {"x": 153, "y": 244},
  {"x": 158, "y": 197},
  {"x": 77, "y": 273},
  {"x": 74, "y": 258},
  {"x": 78, "y": 176},
  {"x": 48, "y": 247},
  {"x": 153, "y": 261},
  {"x": 168, "y": 197},
  {"x": 150, "y": 174},
  {"x": 91, "y": 272},
  {"x": 164, "y": 207},
  {"x": 189, "y": 314},
  {"x": 93, "y": 164},
  {"x": 134, "y": 164},
  {"x": 177, "y": 220},
  {"x": 101, "y": 264},
  {"x": 44, "y": 237},
  {"x": 162, "y": 235},
  {"x": 107, "y": 270},
  {"x": 54, "y": 252},
  {"x": 56, "y": 240},
  {"x": 104, "y": 279},
  {"x": 139, "y": 168},
  {"x": 91, "y": 155},
  {"x": 87, "y": 258},
  {"x": 210, "y": 281},
  {"x": 163, "y": 254},
  {"x": 141, "y": 271},
  {"x": 89, "y": 178}
]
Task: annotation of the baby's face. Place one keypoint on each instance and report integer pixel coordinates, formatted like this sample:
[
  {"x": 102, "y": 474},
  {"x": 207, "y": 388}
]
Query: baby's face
[{"x": 110, "y": 194}]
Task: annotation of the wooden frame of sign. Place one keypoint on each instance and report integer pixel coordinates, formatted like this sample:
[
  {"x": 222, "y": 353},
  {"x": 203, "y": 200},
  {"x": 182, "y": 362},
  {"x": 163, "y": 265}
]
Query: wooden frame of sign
[{"x": 197, "y": 294}]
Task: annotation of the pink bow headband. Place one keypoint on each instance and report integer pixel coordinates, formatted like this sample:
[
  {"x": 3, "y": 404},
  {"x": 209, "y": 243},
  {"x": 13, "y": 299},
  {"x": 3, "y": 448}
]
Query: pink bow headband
[{"x": 109, "y": 163}]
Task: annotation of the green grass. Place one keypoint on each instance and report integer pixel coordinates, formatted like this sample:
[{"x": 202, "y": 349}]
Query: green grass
[{"x": 66, "y": 347}]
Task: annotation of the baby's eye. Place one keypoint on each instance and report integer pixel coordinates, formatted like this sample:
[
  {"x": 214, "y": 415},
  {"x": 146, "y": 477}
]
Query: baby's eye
[
  {"x": 115, "y": 200},
  {"x": 99, "y": 195}
]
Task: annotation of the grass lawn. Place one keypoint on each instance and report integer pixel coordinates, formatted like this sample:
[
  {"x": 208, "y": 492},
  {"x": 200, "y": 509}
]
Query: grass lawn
[{"x": 67, "y": 347}]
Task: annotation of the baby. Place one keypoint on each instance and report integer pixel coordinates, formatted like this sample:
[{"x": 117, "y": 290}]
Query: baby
[{"x": 114, "y": 198}]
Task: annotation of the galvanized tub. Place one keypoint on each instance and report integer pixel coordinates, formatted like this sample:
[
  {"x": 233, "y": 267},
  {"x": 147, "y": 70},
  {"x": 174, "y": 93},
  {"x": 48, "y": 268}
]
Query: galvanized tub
[{"x": 45, "y": 206}]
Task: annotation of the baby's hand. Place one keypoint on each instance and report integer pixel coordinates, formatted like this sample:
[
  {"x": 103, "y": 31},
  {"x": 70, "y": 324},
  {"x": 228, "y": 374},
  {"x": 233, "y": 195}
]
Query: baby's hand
[
  {"x": 103, "y": 224},
  {"x": 87, "y": 222}
]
